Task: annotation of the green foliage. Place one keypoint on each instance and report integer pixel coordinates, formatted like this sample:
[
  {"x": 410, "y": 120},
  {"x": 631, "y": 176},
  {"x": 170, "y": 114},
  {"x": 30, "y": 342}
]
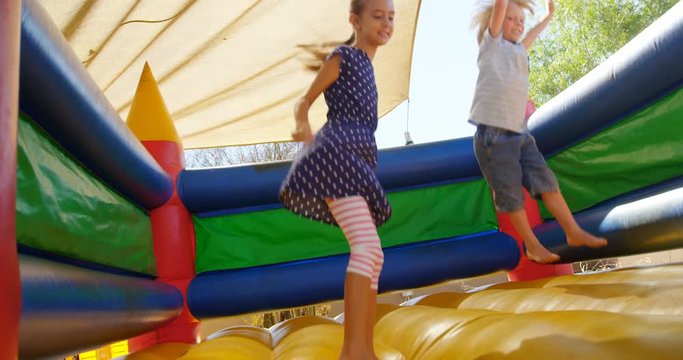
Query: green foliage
[{"x": 582, "y": 34}]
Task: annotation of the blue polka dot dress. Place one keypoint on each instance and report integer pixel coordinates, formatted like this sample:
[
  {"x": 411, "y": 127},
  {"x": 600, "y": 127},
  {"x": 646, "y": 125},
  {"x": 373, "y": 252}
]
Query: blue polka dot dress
[{"x": 341, "y": 161}]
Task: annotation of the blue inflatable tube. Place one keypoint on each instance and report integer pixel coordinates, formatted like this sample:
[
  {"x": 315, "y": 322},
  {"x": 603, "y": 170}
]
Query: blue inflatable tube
[
  {"x": 232, "y": 292},
  {"x": 225, "y": 189},
  {"x": 253, "y": 186},
  {"x": 57, "y": 93},
  {"x": 67, "y": 309},
  {"x": 646, "y": 69},
  {"x": 647, "y": 220},
  {"x": 427, "y": 165}
]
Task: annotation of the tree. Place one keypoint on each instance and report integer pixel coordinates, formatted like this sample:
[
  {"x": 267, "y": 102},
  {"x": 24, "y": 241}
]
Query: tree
[
  {"x": 238, "y": 155},
  {"x": 582, "y": 35}
]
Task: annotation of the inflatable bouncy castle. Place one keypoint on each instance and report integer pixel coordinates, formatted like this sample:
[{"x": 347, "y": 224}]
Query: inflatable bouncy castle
[{"x": 106, "y": 236}]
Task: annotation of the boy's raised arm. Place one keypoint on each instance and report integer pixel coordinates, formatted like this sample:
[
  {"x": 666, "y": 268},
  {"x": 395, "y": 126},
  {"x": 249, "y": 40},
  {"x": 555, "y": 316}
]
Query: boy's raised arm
[
  {"x": 536, "y": 30},
  {"x": 498, "y": 17}
]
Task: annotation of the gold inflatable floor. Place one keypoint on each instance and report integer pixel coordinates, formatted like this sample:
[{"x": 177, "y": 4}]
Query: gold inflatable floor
[{"x": 625, "y": 314}]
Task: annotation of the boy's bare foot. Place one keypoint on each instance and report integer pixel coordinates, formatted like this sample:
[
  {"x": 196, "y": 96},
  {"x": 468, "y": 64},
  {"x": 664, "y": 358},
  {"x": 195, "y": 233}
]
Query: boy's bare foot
[
  {"x": 581, "y": 237},
  {"x": 541, "y": 255}
]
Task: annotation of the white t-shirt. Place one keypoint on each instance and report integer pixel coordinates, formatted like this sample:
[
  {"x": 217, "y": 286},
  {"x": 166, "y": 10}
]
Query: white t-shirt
[{"x": 502, "y": 88}]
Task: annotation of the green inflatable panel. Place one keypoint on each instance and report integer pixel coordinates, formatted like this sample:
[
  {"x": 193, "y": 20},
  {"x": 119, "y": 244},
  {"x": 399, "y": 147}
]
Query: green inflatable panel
[
  {"x": 276, "y": 236},
  {"x": 64, "y": 209},
  {"x": 641, "y": 150}
]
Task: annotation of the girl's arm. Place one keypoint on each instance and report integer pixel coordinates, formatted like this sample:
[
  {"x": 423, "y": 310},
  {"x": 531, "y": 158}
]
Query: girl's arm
[
  {"x": 536, "y": 30},
  {"x": 327, "y": 75},
  {"x": 497, "y": 17}
]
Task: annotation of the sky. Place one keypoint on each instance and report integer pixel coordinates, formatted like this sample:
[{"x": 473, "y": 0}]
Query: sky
[{"x": 444, "y": 72}]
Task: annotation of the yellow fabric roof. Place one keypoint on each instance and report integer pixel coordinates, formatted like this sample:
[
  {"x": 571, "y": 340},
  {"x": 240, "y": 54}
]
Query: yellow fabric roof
[{"x": 229, "y": 70}]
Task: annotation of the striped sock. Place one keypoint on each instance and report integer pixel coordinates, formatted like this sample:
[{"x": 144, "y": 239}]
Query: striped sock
[{"x": 353, "y": 216}]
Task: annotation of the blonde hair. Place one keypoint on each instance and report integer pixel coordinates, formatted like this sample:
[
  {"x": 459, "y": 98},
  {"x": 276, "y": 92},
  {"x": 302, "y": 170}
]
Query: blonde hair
[
  {"x": 484, "y": 10},
  {"x": 318, "y": 52}
]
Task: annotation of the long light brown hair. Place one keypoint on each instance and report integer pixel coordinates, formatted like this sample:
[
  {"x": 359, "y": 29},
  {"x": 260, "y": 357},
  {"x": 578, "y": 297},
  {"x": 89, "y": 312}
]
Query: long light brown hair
[
  {"x": 318, "y": 52},
  {"x": 484, "y": 10}
]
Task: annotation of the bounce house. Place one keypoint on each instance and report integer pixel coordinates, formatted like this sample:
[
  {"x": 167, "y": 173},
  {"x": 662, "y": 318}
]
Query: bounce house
[{"x": 107, "y": 237}]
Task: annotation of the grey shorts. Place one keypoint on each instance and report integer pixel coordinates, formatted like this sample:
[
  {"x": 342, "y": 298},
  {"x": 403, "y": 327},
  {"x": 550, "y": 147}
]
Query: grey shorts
[{"x": 509, "y": 160}]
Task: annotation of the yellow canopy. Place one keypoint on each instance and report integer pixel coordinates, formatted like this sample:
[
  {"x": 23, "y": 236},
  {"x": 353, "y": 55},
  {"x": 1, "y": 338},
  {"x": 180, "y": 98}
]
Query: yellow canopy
[{"x": 229, "y": 70}]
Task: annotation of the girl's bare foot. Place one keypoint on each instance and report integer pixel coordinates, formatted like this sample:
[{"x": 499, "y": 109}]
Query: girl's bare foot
[
  {"x": 538, "y": 253},
  {"x": 580, "y": 237},
  {"x": 358, "y": 355}
]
